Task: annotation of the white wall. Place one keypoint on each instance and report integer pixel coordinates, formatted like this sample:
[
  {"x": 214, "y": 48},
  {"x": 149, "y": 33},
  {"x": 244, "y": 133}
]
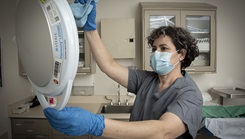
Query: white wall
[
  {"x": 230, "y": 50},
  {"x": 14, "y": 87}
]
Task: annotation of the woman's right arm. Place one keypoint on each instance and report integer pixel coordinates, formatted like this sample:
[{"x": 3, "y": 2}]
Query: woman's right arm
[{"x": 104, "y": 59}]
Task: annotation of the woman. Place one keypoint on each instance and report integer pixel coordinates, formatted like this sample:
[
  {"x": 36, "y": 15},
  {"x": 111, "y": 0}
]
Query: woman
[{"x": 168, "y": 103}]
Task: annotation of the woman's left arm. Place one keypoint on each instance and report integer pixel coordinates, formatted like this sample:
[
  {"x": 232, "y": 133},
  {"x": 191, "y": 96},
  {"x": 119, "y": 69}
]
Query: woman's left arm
[
  {"x": 169, "y": 126},
  {"x": 75, "y": 121}
]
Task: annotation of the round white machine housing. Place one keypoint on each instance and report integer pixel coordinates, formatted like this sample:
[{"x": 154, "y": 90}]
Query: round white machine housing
[{"x": 47, "y": 41}]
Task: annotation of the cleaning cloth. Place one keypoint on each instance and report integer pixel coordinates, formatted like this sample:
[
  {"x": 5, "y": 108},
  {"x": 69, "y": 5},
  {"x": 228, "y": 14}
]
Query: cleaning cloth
[
  {"x": 223, "y": 111},
  {"x": 81, "y": 11}
]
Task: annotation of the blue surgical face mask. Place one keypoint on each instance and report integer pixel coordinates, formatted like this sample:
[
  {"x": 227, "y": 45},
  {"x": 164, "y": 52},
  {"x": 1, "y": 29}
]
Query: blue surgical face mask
[{"x": 160, "y": 62}]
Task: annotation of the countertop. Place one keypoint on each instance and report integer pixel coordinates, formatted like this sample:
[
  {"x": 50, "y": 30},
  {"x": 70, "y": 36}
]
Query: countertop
[{"x": 37, "y": 112}]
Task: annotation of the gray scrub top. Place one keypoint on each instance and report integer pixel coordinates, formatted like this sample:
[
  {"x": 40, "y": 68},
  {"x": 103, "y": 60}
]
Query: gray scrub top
[{"x": 183, "y": 98}]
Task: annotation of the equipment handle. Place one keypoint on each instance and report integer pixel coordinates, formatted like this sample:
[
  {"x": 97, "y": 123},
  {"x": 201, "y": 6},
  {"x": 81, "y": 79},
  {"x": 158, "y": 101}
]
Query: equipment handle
[{"x": 63, "y": 98}]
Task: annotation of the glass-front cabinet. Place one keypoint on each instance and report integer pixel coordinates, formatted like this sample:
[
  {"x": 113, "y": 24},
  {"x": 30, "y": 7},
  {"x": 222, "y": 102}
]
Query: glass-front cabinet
[
  {"x": 197, "y": 18},
  {"x": 86, "y": 64}
]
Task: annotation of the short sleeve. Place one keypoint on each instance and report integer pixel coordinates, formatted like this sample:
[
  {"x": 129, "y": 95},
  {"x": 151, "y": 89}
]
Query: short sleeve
[
  {"x": 138, "y": 78},
  {"x": 188, "y": 107},
  {"x": 132, "y": 76}
]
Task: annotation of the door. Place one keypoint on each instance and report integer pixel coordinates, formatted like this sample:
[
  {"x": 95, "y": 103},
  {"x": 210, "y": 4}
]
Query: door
[
  {"x": 153, "y": 19},
  {"x": 201, "y": 25}
]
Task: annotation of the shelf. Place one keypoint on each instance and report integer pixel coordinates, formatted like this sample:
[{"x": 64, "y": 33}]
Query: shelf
[
  {"x": 80, "y": 31},
  {"x": 200, "y": 32},
  {"x": 229, "y": 92}
]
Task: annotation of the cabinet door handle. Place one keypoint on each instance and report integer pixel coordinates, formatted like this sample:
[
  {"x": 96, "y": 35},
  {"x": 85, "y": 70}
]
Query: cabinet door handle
[
  {"x": 34, "y": 137},
  {"x": 18, "y": 124},
  {"x": 30, "y": 137},
  {"x": 29, "y": 130},
  {"x": 40, "y": 136},
  {"x": 29, "y": 122},
  {"x": 190, "y": 69},
  {"x": 86, "y": 68}
]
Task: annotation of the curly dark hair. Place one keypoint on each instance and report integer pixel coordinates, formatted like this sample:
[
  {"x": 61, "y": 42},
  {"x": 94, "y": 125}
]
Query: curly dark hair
[{"x": 181, "y": 40}]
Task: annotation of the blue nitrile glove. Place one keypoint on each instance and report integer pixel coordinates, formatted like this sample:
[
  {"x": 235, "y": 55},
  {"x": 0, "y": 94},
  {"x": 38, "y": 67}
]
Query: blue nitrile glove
[
  {"x": 75, "y": 121},
  {"x": 89, "y": 16},
  {"x": 81, "y": 12}
]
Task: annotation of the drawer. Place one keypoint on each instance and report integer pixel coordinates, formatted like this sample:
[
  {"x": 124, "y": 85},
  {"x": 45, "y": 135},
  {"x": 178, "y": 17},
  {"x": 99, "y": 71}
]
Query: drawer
[
  {"x": 70, "y": 137},
  {"x": 30, "y": 126},
  {"x": 30, "y": 137}
]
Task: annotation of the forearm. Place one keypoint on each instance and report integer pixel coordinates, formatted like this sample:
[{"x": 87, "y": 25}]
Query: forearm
[{"x": 132, "y": 130}]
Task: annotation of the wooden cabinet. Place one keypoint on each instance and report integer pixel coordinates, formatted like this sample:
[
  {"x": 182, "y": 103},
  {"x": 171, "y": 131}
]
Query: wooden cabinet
[
  {"x": 39, "y": 128},
  {"x": 26, "y": 128},
  {"x": 30, "y": 129},
  {"x": 86, "y": 63},
  {"x": 197, "y": 18}
]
